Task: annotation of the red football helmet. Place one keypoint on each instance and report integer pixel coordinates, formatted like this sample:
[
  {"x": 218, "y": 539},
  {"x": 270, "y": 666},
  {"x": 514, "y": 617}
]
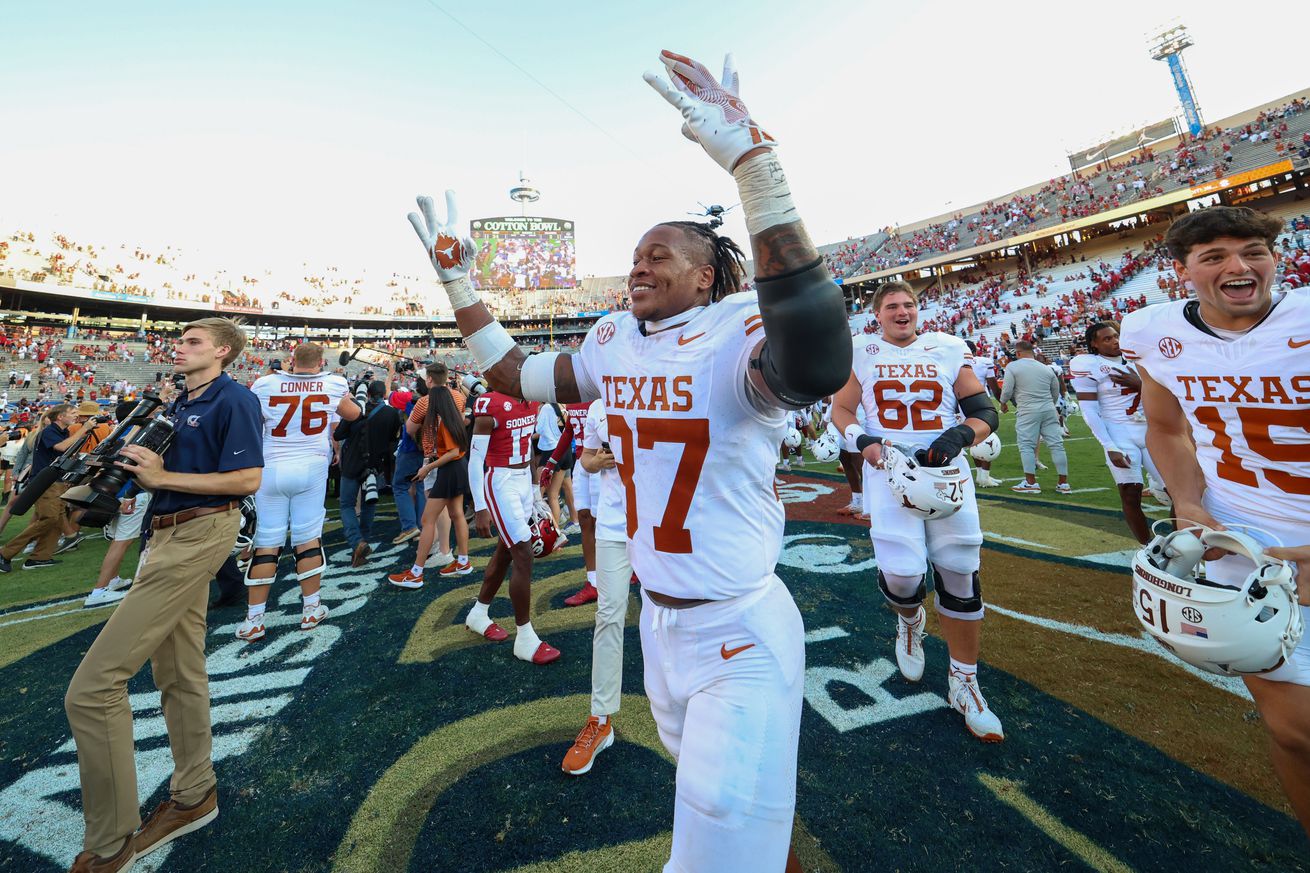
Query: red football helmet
[{"x": 546, "y": 539}]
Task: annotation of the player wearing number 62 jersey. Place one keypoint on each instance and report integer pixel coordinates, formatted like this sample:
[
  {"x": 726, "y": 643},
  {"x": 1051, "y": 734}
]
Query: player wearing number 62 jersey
[
  {"x": 1226, "y": 389},
  {"x": 1110, "y": 396},
  {"x": 500, "y": 477},
  {"x": 300, "y": 408},
  {"x": 696, "y": 380},
  {"x": 910, "y": 386}
]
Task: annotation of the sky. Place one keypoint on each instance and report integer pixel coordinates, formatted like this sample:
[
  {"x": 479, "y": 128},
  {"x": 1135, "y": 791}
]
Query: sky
[{"x": 270, "y": 134}]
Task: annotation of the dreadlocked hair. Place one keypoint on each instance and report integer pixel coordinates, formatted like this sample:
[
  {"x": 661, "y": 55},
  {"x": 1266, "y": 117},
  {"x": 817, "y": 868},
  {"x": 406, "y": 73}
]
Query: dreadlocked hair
[
  {"x": 720, "y": 252},
  {"x": 1089, "y": 336}
]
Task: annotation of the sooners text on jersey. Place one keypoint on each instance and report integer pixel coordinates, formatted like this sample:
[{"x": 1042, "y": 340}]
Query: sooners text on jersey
[
  {"x": 515, "y": 424},
  {"x": 299, "y": 411},
  {"x": 1247, "y": 400}
]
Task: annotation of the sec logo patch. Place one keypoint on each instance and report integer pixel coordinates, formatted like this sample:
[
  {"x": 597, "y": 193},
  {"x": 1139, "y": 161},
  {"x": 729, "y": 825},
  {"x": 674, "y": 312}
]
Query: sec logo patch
[
  {"x": 508, "y": 406},
  {"x": 1170, "y": 347},
  {"x": 872, "y": 348},
  {"x": 605, "y": 332}
]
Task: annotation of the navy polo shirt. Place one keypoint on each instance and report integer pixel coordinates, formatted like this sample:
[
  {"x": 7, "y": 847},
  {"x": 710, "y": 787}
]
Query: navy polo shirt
[
  {"x": 220, "y": 431},
  {"x": 44, "y": 454}
]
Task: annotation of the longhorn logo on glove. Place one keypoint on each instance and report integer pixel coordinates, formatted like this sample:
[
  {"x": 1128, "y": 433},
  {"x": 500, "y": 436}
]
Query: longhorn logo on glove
[{"x": 447, "y": 251}]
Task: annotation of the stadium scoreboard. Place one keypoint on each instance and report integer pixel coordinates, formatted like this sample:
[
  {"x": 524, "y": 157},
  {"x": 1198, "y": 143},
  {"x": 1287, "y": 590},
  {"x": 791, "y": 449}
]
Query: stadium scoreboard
[{"x": 527, "y": 253}]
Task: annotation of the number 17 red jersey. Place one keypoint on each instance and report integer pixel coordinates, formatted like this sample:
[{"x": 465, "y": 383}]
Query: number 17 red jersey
[{"x": 515, "y": 424}]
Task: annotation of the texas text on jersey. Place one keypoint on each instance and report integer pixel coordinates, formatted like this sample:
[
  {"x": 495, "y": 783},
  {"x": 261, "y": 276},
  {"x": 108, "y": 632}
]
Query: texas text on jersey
[
  {"x": 694, "y": 452},
  {"x": 299, "y": 411},
  {"x": 1247, "y": 399},
  {"x": 908, "y": 393}
]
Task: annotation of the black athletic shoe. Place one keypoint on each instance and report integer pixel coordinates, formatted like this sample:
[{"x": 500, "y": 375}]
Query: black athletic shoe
[
  {"x": 5, "y": 565},
  {"x": 69, "y": 545},
  {"x": 37, "y": 564}
]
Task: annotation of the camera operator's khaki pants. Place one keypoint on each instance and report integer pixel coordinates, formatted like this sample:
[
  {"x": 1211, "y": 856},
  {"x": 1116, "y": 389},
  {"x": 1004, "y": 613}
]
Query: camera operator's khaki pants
[
  {"x": 45, "y": 527},
  {"x": 163, "y": 619}
]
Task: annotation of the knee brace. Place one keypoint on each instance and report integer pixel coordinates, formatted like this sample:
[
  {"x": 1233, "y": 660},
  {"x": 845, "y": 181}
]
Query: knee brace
[
  {"x": 307, "y": 553},
  {"x": 902, "y": 590},
  {"x": 959, "y": 595},
  {"x": 258, "y": 560}
]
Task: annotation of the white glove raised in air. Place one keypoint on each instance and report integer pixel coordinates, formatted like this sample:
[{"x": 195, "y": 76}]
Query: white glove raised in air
[
  {"x": 450, "y": 251},
  {"x": 715, "y": 116}
]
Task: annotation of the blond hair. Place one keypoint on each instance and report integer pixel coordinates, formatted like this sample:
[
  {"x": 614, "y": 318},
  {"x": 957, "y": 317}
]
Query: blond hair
[
  {"x": 222, "y": 332},
  {"x": 893, "y": 287},
  {"x": 307, "y": 355}
]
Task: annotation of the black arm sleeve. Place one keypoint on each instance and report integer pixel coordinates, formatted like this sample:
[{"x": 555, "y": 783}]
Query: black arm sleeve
[
  {"x": 807, "y": 347},
  {"x": 980, "y": 406}
]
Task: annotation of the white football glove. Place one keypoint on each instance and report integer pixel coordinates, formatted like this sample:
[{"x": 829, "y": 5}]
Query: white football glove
[
  {"x": 715, "y": 116},
  {"x": 451, "y": 252}
]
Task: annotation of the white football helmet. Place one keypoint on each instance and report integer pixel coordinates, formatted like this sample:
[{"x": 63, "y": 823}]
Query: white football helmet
[
  {"x": 927, "y": 492},
  {"x": 826, "y": 448},
  {"x": 987, "y": 450},
  {"x": 1248, "y": 629},
  {"x": 246, "y": 534},
  {"x": 793, "y": 438}
]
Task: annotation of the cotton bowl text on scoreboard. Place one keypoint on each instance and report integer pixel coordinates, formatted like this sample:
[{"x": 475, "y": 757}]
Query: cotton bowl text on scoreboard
[{"x": 525, "y": 253}]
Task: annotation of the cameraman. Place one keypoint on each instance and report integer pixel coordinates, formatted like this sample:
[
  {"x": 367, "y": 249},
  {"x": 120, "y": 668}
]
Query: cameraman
[
  {"x": 215, "y": 459},
  {"x": 368, "y": 443},
  {"x": 60, "y": 432}
]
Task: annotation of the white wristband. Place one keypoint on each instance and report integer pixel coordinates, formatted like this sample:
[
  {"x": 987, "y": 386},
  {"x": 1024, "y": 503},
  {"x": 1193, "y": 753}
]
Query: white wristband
[
  {"x": 489, "y": 345},
  {"x": 537, "y": 378},
  {"x": 461, "y": 293},
  {"x": 765, "y": 196}
]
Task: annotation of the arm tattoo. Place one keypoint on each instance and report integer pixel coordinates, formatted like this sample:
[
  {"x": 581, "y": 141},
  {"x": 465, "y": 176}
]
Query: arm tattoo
[{"x": 783, "y": 248}]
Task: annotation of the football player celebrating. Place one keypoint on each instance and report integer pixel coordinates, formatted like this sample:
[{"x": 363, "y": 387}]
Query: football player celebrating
[
  {"x": 1226, "y": 389},
  {"x": 500, "y": 477},
  {"x": 1109, "y": 395},
  {"x": 910, "y": 385},
  {"x": 300, "y": 408},
  {"x": 697, "y": 381}
]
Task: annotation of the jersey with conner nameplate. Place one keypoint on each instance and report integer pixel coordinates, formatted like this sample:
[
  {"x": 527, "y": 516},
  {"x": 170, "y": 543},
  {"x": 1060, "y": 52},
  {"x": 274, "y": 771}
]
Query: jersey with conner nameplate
[{"x": 299, "y": 410}]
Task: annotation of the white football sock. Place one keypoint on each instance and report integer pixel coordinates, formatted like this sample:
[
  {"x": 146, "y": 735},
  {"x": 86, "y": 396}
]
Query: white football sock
[
  {"x": 253, "y": 612},
  {"x": 526, "y": 642},
  {"x": 965, "y": 671},
  {"x": 857, "y": 500},
  {"x": 478, "y": 620},
  {"x": 591, "y": 578},
  {"x": 310, "y": 600}
]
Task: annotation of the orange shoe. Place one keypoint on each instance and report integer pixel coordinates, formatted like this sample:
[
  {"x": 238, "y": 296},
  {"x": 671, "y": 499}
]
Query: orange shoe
[
  {"x": 591, "y": 741},
  {"x": 406, "y": 580},
  {"x": 586, "y": 594},
  {"x": 455, "y": 568}
]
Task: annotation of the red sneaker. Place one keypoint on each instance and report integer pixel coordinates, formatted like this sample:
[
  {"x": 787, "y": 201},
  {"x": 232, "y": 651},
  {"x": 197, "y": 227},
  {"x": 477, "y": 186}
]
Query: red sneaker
[
  {"x": 455, "y": 568},
  {"x": 545, "y": 654},
  {"x": 494, "y": 632},
  {"x": 586, "y": 594}
]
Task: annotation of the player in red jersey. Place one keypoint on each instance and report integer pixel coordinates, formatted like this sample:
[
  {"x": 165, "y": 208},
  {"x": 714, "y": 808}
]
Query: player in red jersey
[
  {"x": 575, "y": 415},
  {"x": 500, "y": 476}
]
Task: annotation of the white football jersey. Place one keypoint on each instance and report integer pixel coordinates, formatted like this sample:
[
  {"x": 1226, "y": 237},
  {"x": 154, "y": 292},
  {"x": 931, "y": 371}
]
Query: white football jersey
[
  {"x": 1247, "y": 400},
  {"x": 908, "y": 394},
  {"x": 695, "y": 455},
  {"x": 984, "y": 369},
  {"x": 300, "y": 410},
  {"x": 611, "y": 523},
  {"x": 1091, "y": 373}
]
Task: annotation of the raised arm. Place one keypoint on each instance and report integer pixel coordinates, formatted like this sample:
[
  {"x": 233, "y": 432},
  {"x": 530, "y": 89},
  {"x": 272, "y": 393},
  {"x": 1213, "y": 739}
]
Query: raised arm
[{"x": 806, "y": 352}]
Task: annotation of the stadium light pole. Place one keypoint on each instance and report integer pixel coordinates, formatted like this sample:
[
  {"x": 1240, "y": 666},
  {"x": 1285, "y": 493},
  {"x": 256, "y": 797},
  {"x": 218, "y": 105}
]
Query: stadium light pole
[{"x": 1168, "y": 45}]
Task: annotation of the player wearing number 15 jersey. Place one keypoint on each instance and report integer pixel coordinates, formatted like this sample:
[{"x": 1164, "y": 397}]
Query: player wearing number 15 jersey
[
  {"x": 1226, "y": 389},
  {"x": 500, "y": 477},
  {"x": 697, "y": 380},
  {"x": 300, "y": 408},
  {"x": 910, "y": 386}
]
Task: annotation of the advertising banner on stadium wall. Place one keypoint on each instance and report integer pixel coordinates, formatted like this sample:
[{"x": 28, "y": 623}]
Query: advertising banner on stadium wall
[
  {"x": 122, "y": 297},
  {"x": 526, "y": 253},
  {"x": 245, "y": 310},
  {"x": 1111, "y": 149},
  {"x": 1244, "y": 178}
]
